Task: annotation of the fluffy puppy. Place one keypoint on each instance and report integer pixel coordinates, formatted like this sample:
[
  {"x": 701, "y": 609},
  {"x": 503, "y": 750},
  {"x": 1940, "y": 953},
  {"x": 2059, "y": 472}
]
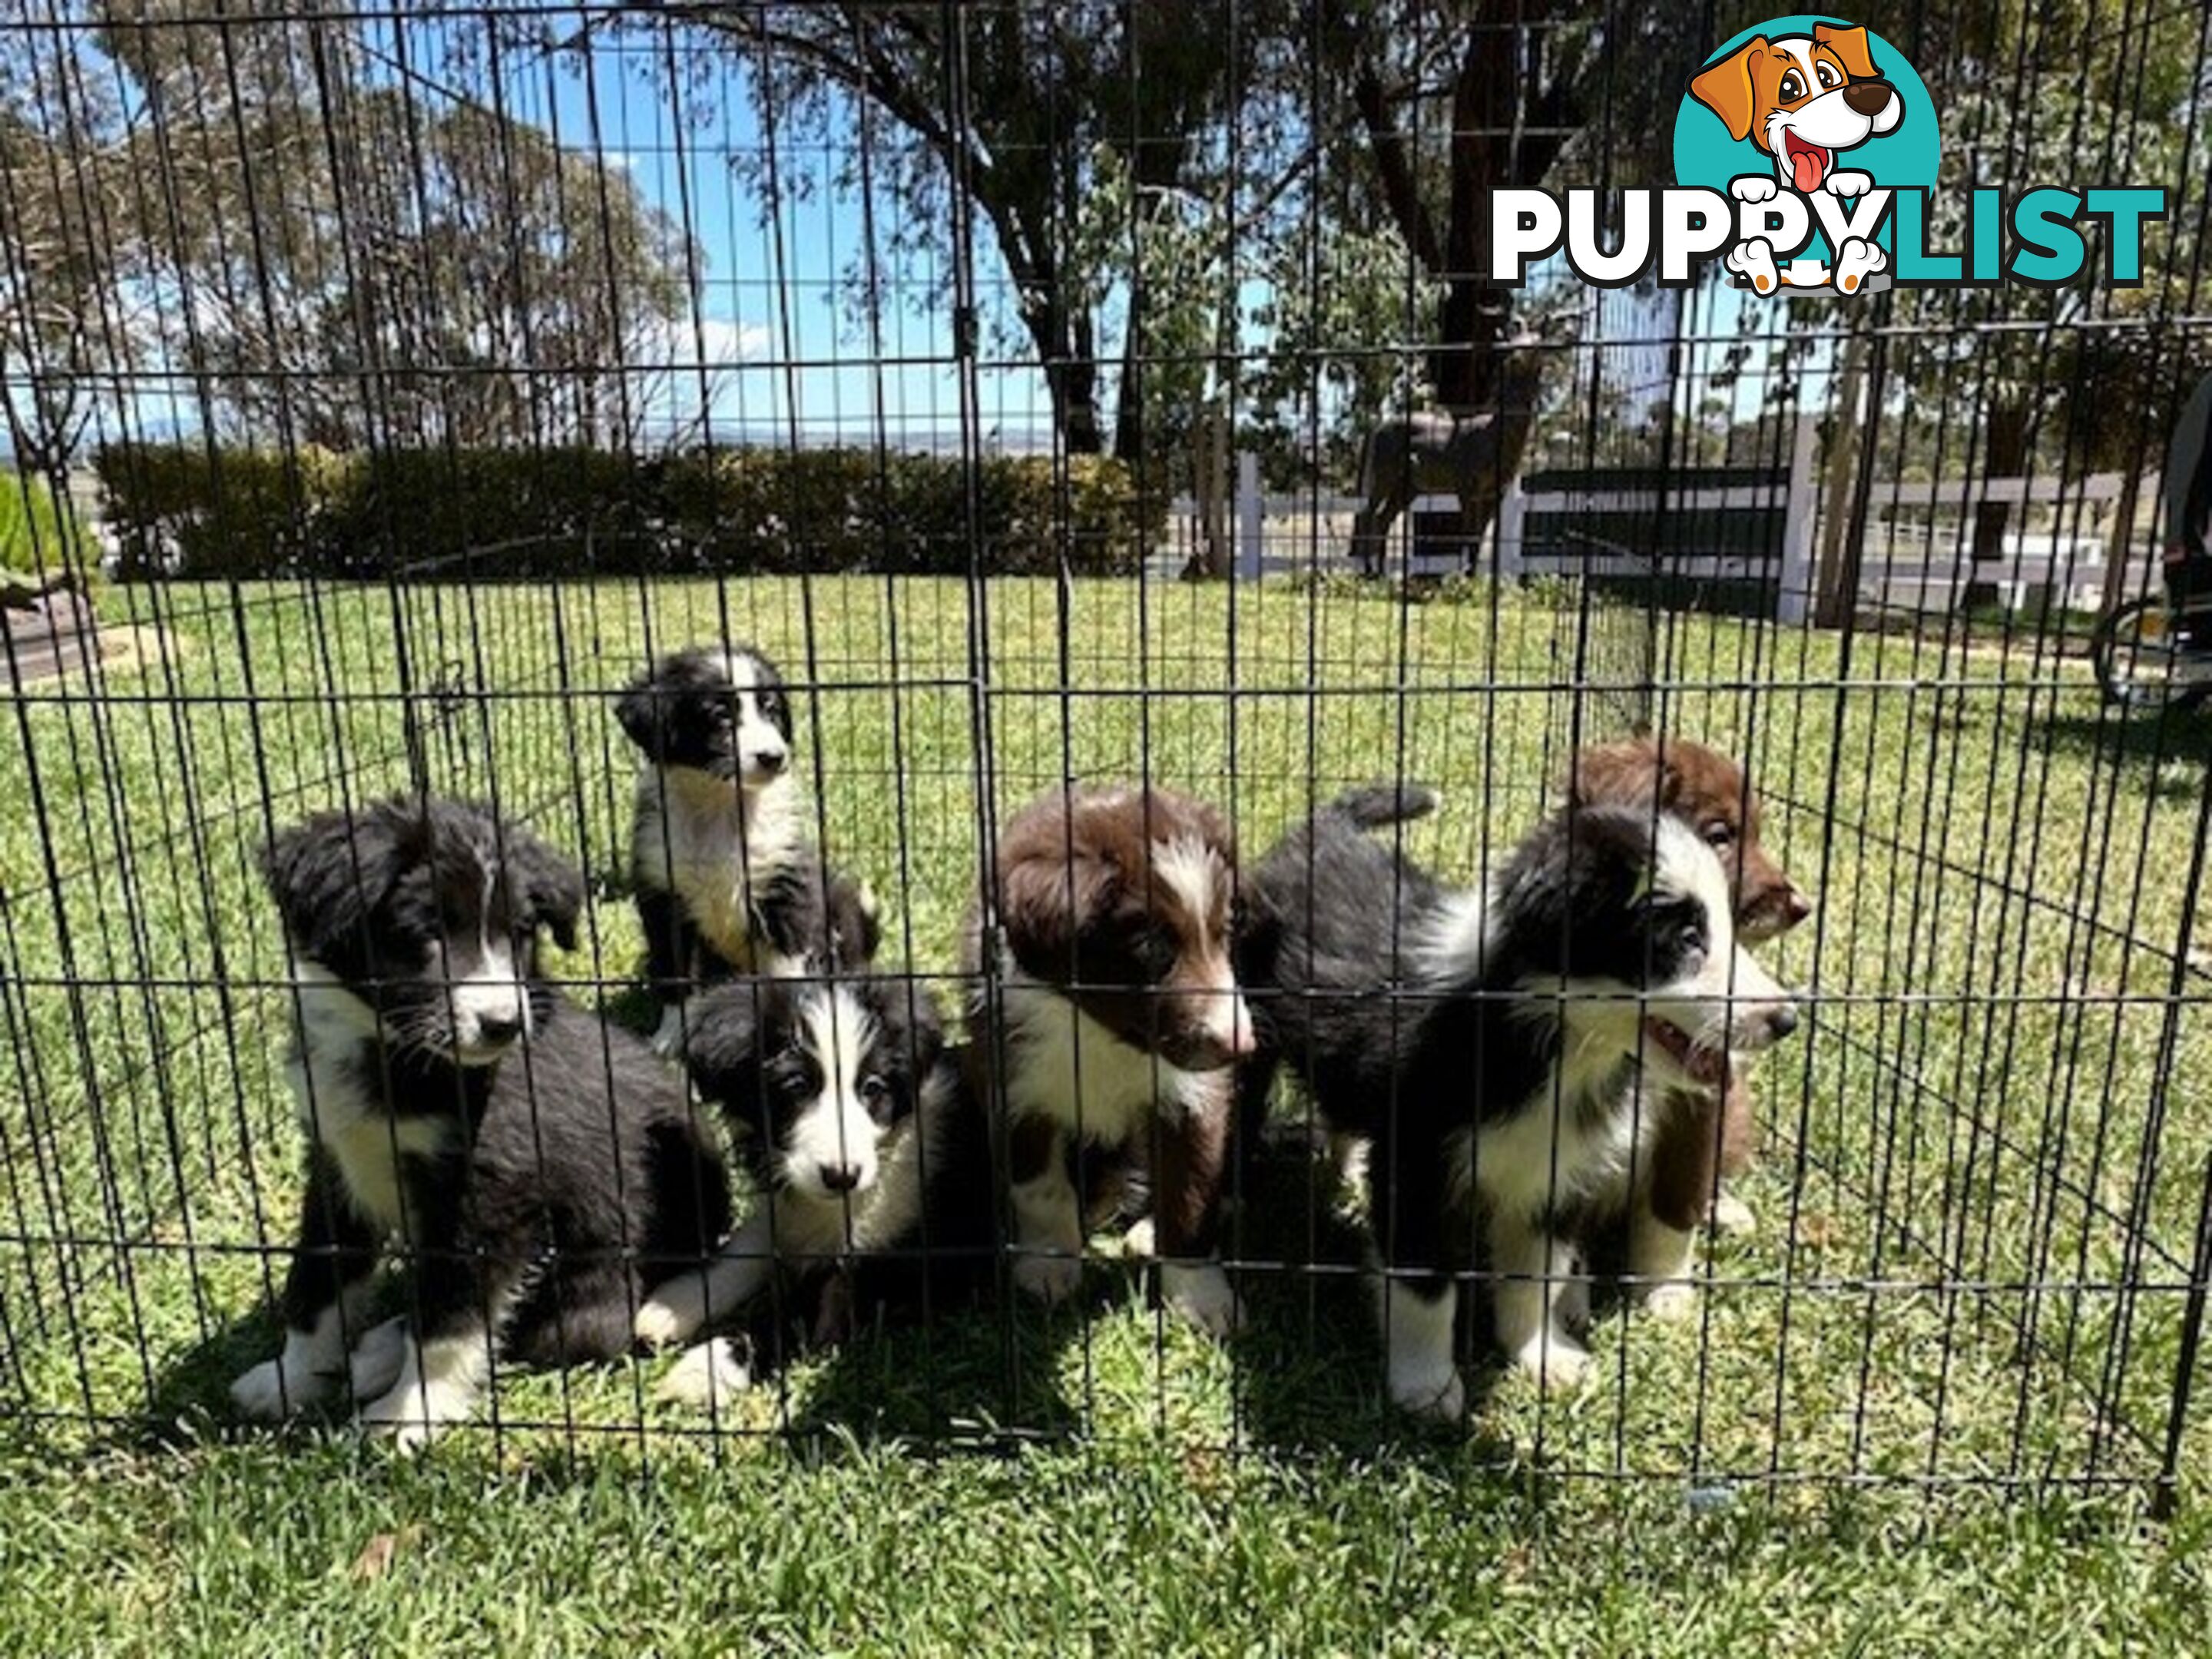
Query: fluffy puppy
[
  {"x": 861, "y": 1141},
  {"x": 1484, "y": 1043},
  {"x": 1106, "y": 1015},
  {"x": 725, "y": 879},
  {"x": 1701, "y": 1138},
  {"x": 539, "y": 1168}
]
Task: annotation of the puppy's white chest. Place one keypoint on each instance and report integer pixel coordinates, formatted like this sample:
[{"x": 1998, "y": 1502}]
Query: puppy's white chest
[
  {"x": 1552, "y": 1152},
  {"x": 691, "y": 841},
  {"x": 1066, "y": 1065},
  {"x": 707, "y": 867},
  {"x": 364, "y": 1141}
]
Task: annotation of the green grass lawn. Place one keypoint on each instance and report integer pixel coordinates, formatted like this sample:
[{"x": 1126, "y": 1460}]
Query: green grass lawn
[{"x": 1976, "y": 1209}]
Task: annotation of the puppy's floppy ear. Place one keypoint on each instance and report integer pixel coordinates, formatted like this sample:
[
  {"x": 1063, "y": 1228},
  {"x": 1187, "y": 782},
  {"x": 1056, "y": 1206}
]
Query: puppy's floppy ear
[
  {"x": 327, "y": 874},
  {"x": 925, "y": 1031},
  {"x": 722, "y": 1050},
  {"x": 1726, "y": 87},
  {"x": 551, "y": 887},
  {"x": 642, "y": 711},
  {"x": 1634, "y": 772},
  {"x": 1045, "y": 904},
  {"x": 1849, "y": 46},
  {"x": 1255, "y": 935}
]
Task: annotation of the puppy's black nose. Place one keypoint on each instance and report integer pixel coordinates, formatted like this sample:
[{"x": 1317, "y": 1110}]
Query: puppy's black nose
[
  {"x": 839, "y": 1178},
  {"x": 769, "y": 760},
  {"x": 1868, "y": 97},
  {"x": 1783, "y": 1021},
  {"x": 499, "y": 1028}
]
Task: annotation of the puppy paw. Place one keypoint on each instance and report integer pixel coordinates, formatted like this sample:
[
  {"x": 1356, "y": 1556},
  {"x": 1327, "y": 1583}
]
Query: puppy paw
[
  {"x": 1048, "y": 1279},
  {"x": 1850, "y": 183},
  {"x": 1731, "y": 1215},
  {"x": 705, "y": 1377},
  {"x": 667, "y": 1039},
  {"x": 269, "y": 1392},
  {"x": 671, "y": 1315},
  {"x": 1430, "y": 1397},
  {"x": 411, "y": 1416},
  {"x": 1753, "y": 261},
  {"x": 377, "y": 1359},
  {"x": 1754, "y": 187},
  {"x": 1201, "y": 1293},
  {"x": 1557, "y": 1363},
  {"x": 1859, "y": 259},
  {"x": 1672, "y": 1302}
]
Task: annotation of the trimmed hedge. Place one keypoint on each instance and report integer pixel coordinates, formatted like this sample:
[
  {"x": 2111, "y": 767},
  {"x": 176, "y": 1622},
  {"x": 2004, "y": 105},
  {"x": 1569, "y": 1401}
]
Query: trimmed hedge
[{"x": 181, "y": 512}]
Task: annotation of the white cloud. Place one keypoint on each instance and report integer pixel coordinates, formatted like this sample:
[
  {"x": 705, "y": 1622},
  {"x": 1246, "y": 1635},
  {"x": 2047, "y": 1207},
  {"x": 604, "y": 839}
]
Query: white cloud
[{"x": 724, "y": 340}]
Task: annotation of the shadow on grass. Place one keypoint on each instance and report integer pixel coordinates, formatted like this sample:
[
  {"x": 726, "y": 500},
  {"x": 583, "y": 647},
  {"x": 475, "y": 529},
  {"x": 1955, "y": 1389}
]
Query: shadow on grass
[
  {"x": 991, "y": 1372},
  {"x": 1311, "y": 1368},
  {"x": 2110, "y": 734},
  {"x": 190, "y": 1404},
  {"x": 981, "y": 1371},
  {"x": 969, "y": 1365}
]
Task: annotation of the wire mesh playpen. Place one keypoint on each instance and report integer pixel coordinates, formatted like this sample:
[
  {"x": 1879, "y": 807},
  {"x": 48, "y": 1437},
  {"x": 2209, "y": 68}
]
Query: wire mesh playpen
[{"x": 439, "y": 367}]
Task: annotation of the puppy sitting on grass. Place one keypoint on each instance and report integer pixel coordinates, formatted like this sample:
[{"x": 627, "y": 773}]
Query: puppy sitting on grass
[{"x": 539, "y": 1169}]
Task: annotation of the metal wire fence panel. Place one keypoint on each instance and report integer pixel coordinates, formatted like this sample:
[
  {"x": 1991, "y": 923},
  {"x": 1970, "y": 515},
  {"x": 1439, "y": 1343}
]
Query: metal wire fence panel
[{"x": 400, "y": 384}]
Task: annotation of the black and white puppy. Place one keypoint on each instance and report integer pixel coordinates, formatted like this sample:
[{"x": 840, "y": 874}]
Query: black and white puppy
[
  {"x": 1486, "y": 1044},
  {"x": 859, "y": 1135},
  {"x": 725, "y": 877},
  {"x": 539, "y": 1168}
]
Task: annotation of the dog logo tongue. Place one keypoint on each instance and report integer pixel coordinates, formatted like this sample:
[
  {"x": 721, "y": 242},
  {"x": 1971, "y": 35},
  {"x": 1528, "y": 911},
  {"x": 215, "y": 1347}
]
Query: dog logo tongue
[{"x": 1808, "y": 165}]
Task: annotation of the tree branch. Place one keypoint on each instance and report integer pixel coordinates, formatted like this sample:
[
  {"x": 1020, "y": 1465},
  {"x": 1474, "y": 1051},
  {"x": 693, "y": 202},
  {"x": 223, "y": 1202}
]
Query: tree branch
[
  {"x": 876, "y": 76},
  {"x": 1394, "y": 163}
]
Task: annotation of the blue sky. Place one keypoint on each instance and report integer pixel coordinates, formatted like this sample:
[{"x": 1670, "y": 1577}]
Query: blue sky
[
  {"x": 768, "y": 351},
  {"x": 768, "y": 317},
  {"x": 769, "y": 293}
]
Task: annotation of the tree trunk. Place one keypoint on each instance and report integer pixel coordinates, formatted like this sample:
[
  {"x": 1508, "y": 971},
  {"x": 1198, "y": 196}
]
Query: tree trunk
[
  {"x": 2004, "y": 456},
  {"x": 1463, "y": 364},
  {"x": 1836, "y": 574},
  {"x": 1070, "y": 374},
  {"x": 1073, "y": 382},
  {"x": 1129, "y": 397},
  {"x": 1060, "y": 335}
]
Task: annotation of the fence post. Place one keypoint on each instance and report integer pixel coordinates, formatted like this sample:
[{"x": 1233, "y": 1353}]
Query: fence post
[
  {"x": 1792, "y": 599},
  {"x": 2120, "y": 545},
  {"x": 1511, "y": 511},
  {"x": 1250, "y": 517}
]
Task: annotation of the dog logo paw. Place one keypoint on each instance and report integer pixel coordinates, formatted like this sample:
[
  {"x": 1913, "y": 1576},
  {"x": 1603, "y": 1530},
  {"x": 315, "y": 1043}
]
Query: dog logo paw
[
  {"x": 1859, "y": 260},
  {"x": 1753, "y": 261}
]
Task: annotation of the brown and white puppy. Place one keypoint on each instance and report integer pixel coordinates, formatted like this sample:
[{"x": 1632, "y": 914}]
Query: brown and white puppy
[
  {"x": 1701, "y": 1138},
  {"x": 1106, "y": 1013}
]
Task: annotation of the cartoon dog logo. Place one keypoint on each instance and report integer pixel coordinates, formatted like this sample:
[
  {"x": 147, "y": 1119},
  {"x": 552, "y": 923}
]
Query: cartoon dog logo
[{"x": 1804, "y": 99}]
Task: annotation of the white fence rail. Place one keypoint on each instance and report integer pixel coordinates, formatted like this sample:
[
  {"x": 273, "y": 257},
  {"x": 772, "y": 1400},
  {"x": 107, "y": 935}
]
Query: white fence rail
[{"x": 1917, "y": 553}]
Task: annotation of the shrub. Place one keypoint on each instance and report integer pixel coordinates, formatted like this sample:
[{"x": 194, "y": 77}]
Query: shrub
[
  {"x": 186, "y": 512},
  {"x": 38, "y": 532}
]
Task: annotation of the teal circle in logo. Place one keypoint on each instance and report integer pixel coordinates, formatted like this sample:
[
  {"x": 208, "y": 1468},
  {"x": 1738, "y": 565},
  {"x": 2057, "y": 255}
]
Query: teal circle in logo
[{"x": 1708, "y": 154}]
